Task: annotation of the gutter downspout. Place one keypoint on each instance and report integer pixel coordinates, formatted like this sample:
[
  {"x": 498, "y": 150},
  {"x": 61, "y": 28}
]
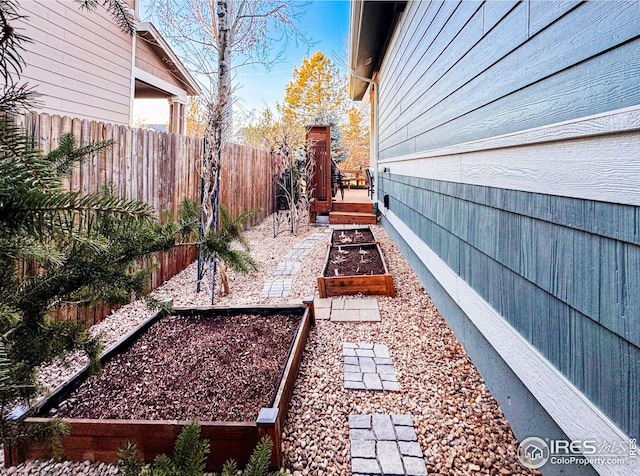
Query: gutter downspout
[{"x": 374, "y": 133}]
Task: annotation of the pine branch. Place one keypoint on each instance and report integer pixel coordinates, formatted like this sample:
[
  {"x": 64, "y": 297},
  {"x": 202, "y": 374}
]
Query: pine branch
[
  {"x": 128, "y": 460},
  {"x": 190, "y": 452},
  {"x": 15, "y": 99},
  {"x": 11, "y": 43},
  {"x": 119, "y": 10},
  {"x": 258, "y": 464},
  {"x": 67, "y": 155},
  {"x": 230, "y": 468}
]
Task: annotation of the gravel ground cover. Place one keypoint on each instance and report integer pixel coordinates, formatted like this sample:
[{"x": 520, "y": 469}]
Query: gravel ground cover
[{"x": 460, "y": 427}]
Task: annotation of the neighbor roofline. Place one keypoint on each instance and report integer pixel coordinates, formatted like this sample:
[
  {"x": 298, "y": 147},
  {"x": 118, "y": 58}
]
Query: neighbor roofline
[{"x": 189, "y": 80}]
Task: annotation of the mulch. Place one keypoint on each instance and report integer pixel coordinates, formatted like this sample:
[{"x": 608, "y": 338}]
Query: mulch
[
  {"x": 352, "y": 237},
  {"x": 354, "y": 261},
  {"x": 185, "y": 368}
]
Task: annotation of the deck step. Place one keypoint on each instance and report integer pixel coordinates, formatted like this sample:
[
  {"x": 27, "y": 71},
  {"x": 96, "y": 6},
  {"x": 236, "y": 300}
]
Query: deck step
[
  {"x": 355, "y": 207},
  {"x": 351, "y": 218}
]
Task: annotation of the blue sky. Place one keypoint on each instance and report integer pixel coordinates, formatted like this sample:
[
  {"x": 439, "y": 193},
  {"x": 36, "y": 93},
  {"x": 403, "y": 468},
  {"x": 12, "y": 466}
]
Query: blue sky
[{"x": 326, "y": 23}]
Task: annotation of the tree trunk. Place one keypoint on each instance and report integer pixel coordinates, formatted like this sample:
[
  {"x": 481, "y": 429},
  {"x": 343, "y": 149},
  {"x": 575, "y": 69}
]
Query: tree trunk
[{"x": 218, "y": 125}]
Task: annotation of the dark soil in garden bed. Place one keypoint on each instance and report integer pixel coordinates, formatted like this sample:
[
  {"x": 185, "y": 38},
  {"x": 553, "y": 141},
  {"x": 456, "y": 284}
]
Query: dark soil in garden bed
[
  {"x": 354, "y": 261},
  {"x": 183, "y": 368},
  {"x": 352, "y": 237}
]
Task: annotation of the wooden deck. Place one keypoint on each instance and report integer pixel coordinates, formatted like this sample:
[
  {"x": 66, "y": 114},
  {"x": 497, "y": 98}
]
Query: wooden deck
[{"x": 355, "y": 208}]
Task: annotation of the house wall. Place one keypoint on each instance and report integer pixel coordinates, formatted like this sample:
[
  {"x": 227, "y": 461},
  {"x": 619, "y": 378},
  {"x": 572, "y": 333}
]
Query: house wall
[
  {"x": 148, "y": 61},
  {"x": 509, "y": 132},
  {"x": 79, "y": 62}
]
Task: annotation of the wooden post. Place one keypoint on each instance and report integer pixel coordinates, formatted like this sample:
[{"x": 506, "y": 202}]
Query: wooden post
[
  {"x": 319, "y": 150},
  {"x": 268, "y": 424}
]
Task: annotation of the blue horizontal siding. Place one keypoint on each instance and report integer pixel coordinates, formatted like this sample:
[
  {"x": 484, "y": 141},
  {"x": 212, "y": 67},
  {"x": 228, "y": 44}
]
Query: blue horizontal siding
[
  {"x": 524, "y": 413},
  {"x": 591, "y": 273},
  {"x": 572, "y": 293},
  {"x": 539, "y": 64}
]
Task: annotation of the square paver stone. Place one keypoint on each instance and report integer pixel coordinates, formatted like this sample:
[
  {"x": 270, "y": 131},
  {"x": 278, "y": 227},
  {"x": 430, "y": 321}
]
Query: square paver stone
[
  {"x": 406, "y": 433},
  {"x": 365, "y": 466},
  {"x": 410, "y": 448},
  {"x": 372, "y": 381},
  {"x": 414, "y": 466},
  {"x": 353, "y": 376},
  {"x": 402, "y": 420},
  {"x": 366, "y": 364},
  {"x": 385, "y": 369},
  {"x": 352, "y": 368},
  {"x": 369, "y": 315},
  {"x": 390, "y": 386},
  {"x": 361, "y": 304},
  {"x": 350, "y": 385},
  {"x": 381, "y": 350},
  {"x": 324, "y": 303},
  {"x": 322, "y": 313},
  {"x": 364, "y": 353},
  {"x": 361, "y": 434},
  {"x": 383, "y": 361},
  {"x": 348, "y": 352},
  {"x": 344, "y": 315},
  {"x": 383, "y": 428},
  {"x": 360, "y": 421},
  {"x": 363, "y": 449},
  {"x": 350, "y": 360},
  {"x": 389, "y": 457}
]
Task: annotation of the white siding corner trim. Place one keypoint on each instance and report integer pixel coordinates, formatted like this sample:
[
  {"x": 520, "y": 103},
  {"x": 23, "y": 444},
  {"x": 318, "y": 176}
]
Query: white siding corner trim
[
  {"x": 570, "y": 408},
  {"x": 593, "y": 158}
]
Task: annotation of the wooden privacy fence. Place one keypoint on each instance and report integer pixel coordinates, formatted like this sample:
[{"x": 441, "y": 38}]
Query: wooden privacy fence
[
  {"x": 160, "y": 169},
  {"x": 246, "y": 181}
]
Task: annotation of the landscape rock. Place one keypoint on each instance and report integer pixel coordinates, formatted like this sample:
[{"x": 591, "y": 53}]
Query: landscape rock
[{"x": 454, "y": 414}]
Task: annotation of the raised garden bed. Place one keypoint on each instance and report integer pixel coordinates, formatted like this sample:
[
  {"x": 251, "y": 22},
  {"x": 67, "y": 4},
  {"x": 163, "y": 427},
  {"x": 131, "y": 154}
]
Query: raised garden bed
[
  {"x": 232, "y": 369},
  {"x": 355, "y": 269},
  {"x": 353, "y": 236}
]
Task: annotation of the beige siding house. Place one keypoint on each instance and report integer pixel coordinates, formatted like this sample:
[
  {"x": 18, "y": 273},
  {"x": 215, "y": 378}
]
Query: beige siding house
[{"x": 83, "y": 66}]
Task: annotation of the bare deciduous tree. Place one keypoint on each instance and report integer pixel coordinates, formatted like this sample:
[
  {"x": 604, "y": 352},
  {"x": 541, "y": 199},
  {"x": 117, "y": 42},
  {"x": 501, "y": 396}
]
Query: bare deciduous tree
[{"x": 215, "y": 37}]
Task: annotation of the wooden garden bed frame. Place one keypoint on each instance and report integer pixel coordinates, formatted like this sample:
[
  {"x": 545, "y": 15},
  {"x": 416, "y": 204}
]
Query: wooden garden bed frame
[
  {"x": 99, "y": 440},
  {"x": 377, "y": 284}
]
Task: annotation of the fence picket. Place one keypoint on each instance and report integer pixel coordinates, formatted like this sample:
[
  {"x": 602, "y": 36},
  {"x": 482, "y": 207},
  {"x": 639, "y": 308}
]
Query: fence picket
[{"x": 160, "y": 169}]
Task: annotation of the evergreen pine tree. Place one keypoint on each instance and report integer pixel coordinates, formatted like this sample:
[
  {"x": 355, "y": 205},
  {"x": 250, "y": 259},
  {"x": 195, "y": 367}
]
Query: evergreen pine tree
[{"x": 56, "y": 244}]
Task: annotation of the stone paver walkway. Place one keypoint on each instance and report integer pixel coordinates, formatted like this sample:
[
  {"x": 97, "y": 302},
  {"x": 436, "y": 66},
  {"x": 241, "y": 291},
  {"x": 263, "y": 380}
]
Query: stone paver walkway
[
  {"x": 287, "y": 268},
  {"x": 368, "y": 366},
  {"x": 385, "y": 445},
  {"x": 303, "y": 248},
  {"x": 276, "y": 288},
  {"x": 281, "y": 287},
  {"x": 347, "y": 310}
]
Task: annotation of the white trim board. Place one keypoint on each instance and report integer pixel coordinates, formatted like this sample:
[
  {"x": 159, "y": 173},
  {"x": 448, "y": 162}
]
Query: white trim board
[
  {"x": 571, "y": 410},
  {"x": 159, "y": 83},
  {"x": 593, "y": 158}
]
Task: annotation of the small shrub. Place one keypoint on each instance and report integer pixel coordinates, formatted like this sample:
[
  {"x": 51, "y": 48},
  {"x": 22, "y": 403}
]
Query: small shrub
[
  {"x": 128, "y": 460},
  {"x": 190, "y": 456}
]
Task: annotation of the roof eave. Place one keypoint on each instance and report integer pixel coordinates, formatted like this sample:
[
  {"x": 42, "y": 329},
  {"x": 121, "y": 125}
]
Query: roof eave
[
  {"x": 371, "y": 27},
  {"x": 148, "y": 29}
]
